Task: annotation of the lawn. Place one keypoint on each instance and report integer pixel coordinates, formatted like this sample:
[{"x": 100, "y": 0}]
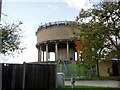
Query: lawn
[
  {"x": 74, "y": 69},
  {"x": 80, "y": 73},
  {"x": 87, "y": 88},
  {"x": 115, "y": 78}
]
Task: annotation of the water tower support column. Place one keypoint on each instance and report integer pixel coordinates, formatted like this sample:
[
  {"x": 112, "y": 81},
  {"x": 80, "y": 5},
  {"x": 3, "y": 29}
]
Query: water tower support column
[
  {"x": 68, "y": 57},
  {"x": 56, "y": 51}
]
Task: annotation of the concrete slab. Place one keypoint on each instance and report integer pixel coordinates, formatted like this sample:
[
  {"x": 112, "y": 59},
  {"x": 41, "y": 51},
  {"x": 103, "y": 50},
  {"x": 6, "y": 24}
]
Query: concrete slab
[{"x": 96, "y": 83}]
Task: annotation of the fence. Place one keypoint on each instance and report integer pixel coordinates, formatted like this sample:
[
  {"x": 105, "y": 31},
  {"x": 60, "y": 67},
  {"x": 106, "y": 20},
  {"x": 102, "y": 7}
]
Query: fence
[
  {"x": 26, "y": 76},
  {"x": 75, "y": 70}
]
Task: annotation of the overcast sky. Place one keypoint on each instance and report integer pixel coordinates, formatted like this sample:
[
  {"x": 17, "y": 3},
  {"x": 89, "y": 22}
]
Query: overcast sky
[{"x": 32, "y": 14}]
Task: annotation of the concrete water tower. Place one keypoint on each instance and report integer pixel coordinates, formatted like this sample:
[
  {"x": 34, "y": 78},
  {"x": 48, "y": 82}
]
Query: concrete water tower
[{"x": 54, "y": 39}]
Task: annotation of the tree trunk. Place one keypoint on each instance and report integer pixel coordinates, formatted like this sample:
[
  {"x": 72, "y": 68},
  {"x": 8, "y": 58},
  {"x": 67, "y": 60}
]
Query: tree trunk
[{"x": 97, "y": 68}]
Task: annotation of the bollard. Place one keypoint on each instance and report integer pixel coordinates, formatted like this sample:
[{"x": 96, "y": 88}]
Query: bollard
[{"x": 73, "y": 82}]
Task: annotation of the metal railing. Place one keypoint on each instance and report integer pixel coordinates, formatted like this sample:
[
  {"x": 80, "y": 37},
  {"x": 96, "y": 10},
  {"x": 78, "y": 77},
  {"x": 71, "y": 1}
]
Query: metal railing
[{"x": 57, "y": 23}]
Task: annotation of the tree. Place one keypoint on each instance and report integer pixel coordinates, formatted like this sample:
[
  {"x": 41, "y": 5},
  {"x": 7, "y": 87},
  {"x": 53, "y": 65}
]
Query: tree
[
  {"x": 11, "y": 34},
  {"x": 101, "y": 32}
]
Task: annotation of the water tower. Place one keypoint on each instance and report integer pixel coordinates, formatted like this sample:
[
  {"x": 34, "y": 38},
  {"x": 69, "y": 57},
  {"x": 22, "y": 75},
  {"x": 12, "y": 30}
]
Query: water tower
[{"x": 53, "y": 38}]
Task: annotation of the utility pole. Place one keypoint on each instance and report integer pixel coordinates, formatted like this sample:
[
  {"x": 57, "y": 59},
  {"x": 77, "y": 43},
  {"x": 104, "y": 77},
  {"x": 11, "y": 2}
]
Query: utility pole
[
  {"x": 0, "y": 25},
  {"x": 0, "y": 8},
  {"x": 0, "y": 47}
]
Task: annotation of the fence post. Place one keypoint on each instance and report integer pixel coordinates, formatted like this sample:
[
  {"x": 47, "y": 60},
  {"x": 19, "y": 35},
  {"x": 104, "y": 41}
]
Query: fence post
[{"x": 24, "y": 70}]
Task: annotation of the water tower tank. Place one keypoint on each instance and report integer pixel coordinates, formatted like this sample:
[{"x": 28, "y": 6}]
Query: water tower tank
[{"x": 54, "y": 37}]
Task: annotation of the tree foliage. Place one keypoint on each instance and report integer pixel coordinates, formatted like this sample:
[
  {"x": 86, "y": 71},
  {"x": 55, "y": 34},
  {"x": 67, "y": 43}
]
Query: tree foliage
[
  {"x": 100, "y": 27},
  {"x": 10, "y": 38},
  {"x": 105, "y": 15},
  {"x": 79, "y": 44}
]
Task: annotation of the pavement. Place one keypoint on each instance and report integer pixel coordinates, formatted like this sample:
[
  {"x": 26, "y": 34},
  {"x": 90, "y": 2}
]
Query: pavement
[{"x": 96, "y": 83}]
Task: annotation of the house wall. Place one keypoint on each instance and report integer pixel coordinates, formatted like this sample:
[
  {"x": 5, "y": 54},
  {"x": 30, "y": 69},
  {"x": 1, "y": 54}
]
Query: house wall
[{"x": 105, "y": 67}]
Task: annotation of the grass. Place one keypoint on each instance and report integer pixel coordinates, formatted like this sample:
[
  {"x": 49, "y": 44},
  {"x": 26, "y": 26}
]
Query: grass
[
  {"x": 77, "y": 71},
  {"x": 101, "y": 78},
  {"x": 87, "y": 88},
  {"x": 98, "y": 78}
]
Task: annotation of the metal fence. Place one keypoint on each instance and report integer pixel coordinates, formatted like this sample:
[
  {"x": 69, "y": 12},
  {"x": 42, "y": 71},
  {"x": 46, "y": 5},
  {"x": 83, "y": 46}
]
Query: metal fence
[{"x": 26, "y": 76}]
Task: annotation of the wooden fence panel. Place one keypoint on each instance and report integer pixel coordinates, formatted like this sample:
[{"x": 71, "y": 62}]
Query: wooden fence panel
[
  {"x": 40, "y": 76},
  {"x": 27, "y": 76},
  {"x": 11, "y": 76}
]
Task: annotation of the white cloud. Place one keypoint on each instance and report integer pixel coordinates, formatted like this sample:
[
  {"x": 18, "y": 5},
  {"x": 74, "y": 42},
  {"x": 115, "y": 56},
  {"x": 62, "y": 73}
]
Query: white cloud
[
  {"x": 33, "y": 0},
  {"x": 78, "y": 4},
  {"x": 3, "y": 58}
]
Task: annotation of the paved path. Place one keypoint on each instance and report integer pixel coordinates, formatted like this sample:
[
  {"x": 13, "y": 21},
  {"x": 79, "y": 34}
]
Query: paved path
[{"x": 96, "y": 83}]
